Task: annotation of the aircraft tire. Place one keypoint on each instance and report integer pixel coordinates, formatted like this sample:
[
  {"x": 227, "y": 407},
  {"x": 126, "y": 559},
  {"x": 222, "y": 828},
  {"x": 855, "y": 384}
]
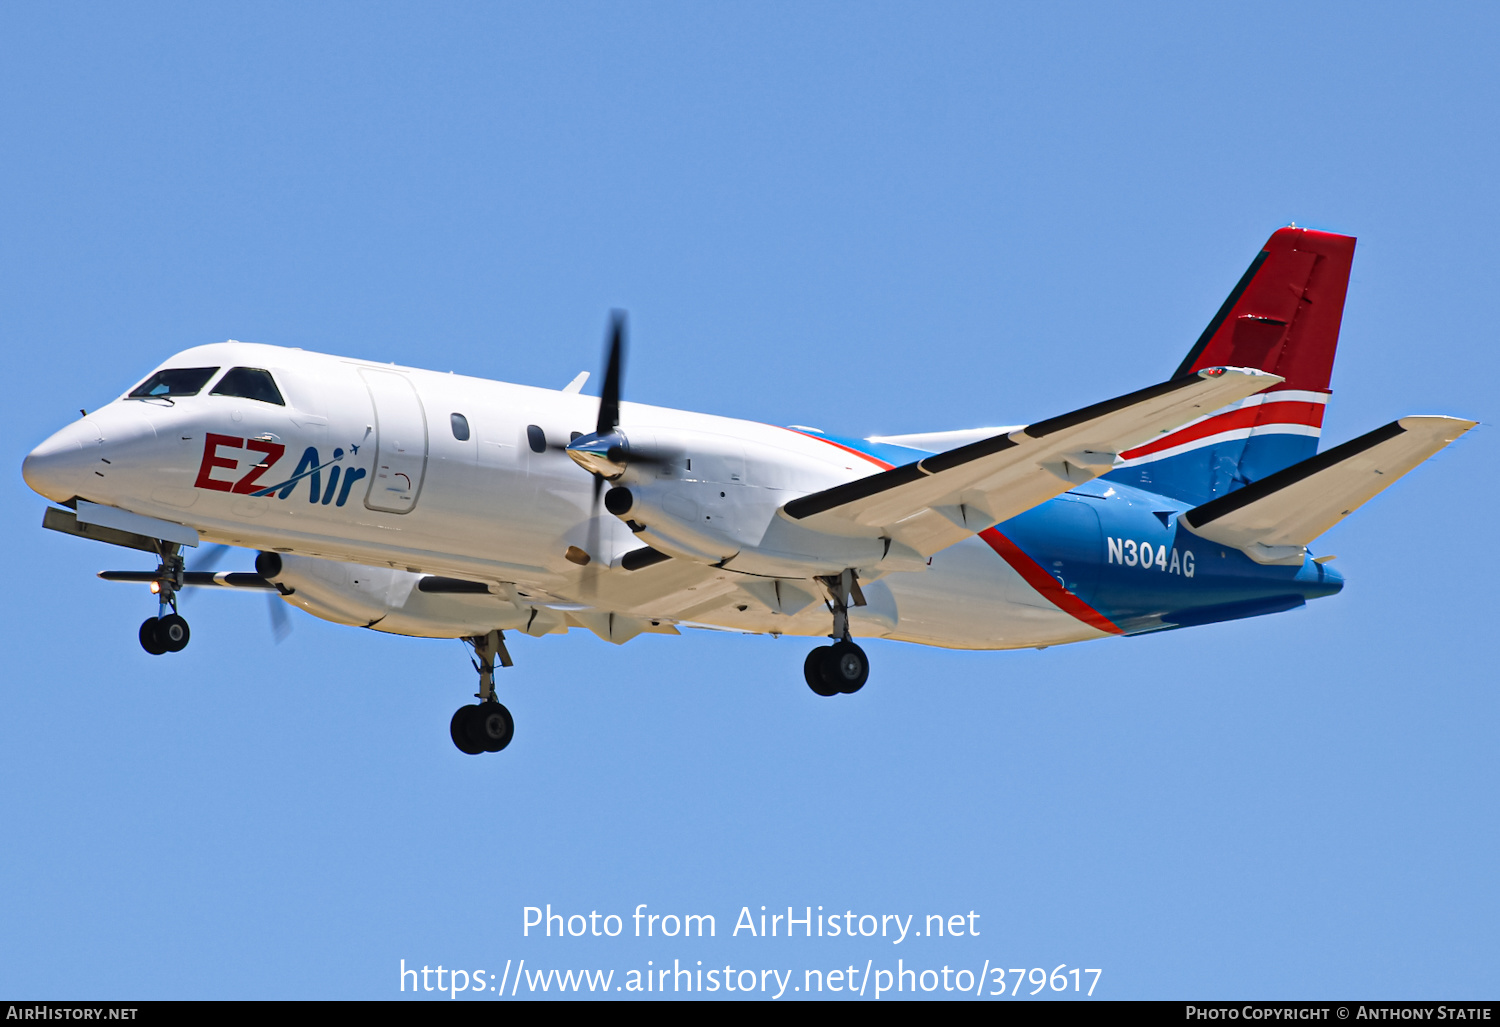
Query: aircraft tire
[
  {"x": 492, "y": 726},
  {"x": 846, "y": 667},
  {"x": 172, "y": 632},
  {"x": 149, "y": 639},
  {"x": 458, "y": 730},
  {"x": 812, "y": 671}
]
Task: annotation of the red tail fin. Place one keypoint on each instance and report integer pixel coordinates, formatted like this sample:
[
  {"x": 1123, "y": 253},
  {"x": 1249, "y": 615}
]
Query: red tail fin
[{"x": 1284, "y": 314}]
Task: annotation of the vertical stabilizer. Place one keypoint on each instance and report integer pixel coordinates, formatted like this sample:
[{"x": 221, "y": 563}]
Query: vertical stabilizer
[{"x": 1282, "y": 317}]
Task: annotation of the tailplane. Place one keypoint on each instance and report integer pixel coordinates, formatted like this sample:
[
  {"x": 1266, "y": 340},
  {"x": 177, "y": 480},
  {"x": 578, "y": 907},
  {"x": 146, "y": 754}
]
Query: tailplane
[
  {"x": 1282, "y": 317},
  {"x": 1274, "y": 519}
]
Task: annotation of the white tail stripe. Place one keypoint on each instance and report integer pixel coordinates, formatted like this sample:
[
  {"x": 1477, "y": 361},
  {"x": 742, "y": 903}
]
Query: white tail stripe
[
  {"x": 1228, "y": 436},
  {"x": 1280, "y": 396}
]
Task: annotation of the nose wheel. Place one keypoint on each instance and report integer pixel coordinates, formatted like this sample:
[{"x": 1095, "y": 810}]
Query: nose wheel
[
  {"x": 167, "y": 632},
  {"x": 486, "y": 726},
  {"x": 843, "y": 666}
]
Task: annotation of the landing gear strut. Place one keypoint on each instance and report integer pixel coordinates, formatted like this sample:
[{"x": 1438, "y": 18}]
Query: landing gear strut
[
  {"x": 841, "y": 667},
  {"x": 488, "y": 725},
  {"x": 167, "y": 632}
]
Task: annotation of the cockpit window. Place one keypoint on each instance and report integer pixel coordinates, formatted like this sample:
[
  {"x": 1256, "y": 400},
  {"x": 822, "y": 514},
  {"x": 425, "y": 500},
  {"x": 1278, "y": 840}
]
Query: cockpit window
[
  {"x": 174, "y": 381},
  {"x": 249, "y": 383}
]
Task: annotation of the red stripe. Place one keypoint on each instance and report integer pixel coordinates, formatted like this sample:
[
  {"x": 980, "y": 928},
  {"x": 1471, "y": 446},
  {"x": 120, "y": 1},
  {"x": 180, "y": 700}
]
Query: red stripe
[
  {"x": 1285, "y": 412},
  {"x": 1050, "y": 588},
  {"x": 873, "y": 459}
]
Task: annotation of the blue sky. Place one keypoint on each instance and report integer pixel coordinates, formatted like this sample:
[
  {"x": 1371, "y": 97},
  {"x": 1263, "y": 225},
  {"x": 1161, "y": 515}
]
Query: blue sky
[{"x": 872, "y": 218}]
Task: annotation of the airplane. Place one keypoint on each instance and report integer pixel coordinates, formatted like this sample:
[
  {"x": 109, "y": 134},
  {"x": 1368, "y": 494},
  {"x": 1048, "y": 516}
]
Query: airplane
[{"x": 443, "y": 506}]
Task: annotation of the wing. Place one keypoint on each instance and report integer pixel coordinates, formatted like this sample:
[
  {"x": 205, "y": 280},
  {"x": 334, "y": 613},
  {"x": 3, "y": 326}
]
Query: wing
[
  {"x": 940, "y": 500},
  {"x": 1275, "y": 518}
]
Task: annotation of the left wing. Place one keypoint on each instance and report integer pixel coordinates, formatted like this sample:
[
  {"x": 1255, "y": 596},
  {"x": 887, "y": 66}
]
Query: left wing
[{"x": 942, "y": 499}]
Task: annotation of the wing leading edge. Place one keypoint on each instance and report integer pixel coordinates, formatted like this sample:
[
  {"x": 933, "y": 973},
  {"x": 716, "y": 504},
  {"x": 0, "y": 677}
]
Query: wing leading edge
[{"x": 940, "y": 500}]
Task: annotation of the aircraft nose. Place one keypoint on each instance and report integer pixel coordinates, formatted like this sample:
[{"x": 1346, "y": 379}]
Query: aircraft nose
[{"x": 58, "y": 467}]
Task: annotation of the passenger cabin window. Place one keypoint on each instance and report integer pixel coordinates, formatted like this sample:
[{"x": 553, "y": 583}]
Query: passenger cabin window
[
  {"x": 249, "y": 383},
  {"x": 174, "y": 381},
  {"x": 537, "y": 438},
  {"x": 460, "y": 425}
]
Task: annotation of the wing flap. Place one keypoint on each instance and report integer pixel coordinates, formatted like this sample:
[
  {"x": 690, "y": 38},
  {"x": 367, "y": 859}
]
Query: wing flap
[
  {"x": 1274, "y": 519},
  {"x": 933, "y": 503}
]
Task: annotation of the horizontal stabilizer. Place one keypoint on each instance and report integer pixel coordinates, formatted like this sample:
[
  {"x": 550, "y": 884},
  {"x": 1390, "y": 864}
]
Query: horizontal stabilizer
[
  {"x": 942, "y": 499},
  {"x": 1274, "y": 519}
]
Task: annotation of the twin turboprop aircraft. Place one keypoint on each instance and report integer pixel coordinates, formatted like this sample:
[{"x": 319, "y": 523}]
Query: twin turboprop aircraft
[{"x": 442, "y": 506}]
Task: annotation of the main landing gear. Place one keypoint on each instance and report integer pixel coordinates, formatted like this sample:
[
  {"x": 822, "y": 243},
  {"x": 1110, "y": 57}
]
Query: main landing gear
[
  {"x": 167, "y": 632},
  {"x": 841, "y": 667},
  {"x": 486, "y": 726}
]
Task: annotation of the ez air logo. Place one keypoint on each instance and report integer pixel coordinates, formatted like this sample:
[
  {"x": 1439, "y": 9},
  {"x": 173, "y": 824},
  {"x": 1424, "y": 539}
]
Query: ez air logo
[{"x": 310, "y": 468}]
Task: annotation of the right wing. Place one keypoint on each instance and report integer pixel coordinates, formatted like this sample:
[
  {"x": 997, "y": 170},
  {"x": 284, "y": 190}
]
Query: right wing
[
  {"x": 1273, "y": 520},
  {"x": 942, "y": 499}
]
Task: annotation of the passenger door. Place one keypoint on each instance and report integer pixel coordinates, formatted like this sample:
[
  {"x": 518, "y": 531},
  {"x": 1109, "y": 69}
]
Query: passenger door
[{"x": 400, "y": 442}]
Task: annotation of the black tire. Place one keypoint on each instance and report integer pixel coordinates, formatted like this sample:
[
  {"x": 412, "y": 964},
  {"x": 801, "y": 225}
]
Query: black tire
[
  {"x": 172, "y": 631},
  {"x": 812, "y": 671},
  {"x": 458, "y": 730},
  {"x": 491, "y": 726},
  {"x": 846, "y": 667},
  {"x": 149, "y": 640}
]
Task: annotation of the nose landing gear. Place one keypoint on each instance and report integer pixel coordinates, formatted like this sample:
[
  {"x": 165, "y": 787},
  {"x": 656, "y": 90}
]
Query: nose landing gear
[
  {"x": 486, "y": 726},
  {"x": 843, "y": 666},
  {"x": 166, "y": 632}
]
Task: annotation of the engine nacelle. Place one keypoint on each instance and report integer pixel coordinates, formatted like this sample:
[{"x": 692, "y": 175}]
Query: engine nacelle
[
  {"x": 714, "y": 499},
  {"x": 387, "y": 599}
]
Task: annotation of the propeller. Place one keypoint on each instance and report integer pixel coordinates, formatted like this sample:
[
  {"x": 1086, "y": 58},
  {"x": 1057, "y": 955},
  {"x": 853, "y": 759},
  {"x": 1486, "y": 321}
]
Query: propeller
[
  {"x": 598, "y": 453},
  {"x": 208, "y": 557},
  {"x": 281, "y": 624},
  {"x": 607, "y": 453},
  {"x": 204, "y": 561}
]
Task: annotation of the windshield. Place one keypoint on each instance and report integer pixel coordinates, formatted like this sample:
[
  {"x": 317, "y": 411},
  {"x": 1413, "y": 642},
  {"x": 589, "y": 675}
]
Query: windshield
[
  {"x": 173, "y": 381},
  {"x": 249, "y": 383}
]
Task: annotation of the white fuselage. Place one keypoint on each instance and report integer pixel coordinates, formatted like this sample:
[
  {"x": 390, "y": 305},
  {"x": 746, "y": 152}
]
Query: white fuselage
[{"x": 401, "y": 494}]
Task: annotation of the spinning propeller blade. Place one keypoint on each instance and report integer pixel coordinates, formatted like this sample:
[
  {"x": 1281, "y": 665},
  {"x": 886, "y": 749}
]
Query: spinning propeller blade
[
  {"x": 609, "y": 393},
  {"x": 281, "y": 624},
  {"x": 206, "y": 560}
]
